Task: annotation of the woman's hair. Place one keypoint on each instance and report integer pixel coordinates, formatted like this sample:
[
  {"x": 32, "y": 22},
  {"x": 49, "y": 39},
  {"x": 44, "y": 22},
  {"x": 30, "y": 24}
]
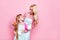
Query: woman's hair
[
  {"x": 34, "y": 21},
  {"x": 33, "y": 5},
  {"x": 32, "y": 9}
]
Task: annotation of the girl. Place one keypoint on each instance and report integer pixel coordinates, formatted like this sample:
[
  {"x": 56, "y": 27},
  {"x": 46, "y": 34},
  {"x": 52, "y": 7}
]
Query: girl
[{"x": 19, "y": 28}]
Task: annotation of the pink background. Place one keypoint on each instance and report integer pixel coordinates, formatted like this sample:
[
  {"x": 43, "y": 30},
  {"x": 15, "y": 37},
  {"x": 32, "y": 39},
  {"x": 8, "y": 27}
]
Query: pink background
[{"x": 49, "y": 18}]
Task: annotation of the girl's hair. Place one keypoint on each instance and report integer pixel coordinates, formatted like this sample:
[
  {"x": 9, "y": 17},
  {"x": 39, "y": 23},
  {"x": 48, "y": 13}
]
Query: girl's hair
[
  {"x": 16, "y": 26},
  {"x": 17, "y": 17}
]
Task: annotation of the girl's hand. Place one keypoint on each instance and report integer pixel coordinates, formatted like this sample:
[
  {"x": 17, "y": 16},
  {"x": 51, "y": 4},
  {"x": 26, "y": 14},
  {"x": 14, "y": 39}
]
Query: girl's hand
[{"x": 25, "y": 30}]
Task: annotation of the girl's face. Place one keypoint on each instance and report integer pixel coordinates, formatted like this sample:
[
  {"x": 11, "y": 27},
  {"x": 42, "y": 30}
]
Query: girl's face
[{"x": 21, "y": 18}]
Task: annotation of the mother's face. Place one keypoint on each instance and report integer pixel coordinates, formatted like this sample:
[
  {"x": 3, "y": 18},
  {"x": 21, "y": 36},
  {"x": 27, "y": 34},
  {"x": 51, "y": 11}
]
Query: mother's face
[{"x": 33, "y": 9}]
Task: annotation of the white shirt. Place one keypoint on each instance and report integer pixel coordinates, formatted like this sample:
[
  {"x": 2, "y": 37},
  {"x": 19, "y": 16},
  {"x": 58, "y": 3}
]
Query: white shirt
[
  {"x": 20, "y": 28},
  {"x": 28, "y": 21}
]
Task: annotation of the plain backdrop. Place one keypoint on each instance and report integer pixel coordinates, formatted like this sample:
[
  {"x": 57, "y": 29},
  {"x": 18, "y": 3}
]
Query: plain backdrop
[{"x": 48, "y": 27}]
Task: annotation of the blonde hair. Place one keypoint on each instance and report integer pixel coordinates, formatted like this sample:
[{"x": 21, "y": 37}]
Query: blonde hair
[
  {"x": 34, "y": 8},
  {"x": 35, "y": 11}
]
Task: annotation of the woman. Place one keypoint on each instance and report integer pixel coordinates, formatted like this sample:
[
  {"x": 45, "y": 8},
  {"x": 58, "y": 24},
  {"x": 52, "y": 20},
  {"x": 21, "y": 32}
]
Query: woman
[{"x": 31, "y": 20}]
